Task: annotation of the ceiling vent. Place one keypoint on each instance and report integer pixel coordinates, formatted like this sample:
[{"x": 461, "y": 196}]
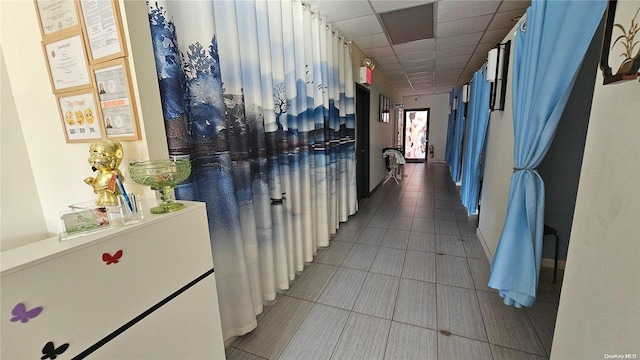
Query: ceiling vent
[{"x": 410, "y": 24}]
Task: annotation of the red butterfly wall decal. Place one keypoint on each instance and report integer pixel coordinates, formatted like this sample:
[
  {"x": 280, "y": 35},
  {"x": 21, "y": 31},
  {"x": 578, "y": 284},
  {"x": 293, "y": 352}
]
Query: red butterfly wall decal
[{"x": 112, "y": 259}]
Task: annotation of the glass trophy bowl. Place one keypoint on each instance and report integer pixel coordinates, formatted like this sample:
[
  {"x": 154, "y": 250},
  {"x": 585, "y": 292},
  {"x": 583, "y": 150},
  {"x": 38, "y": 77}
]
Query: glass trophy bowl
[{"x": 162, "y": 175}]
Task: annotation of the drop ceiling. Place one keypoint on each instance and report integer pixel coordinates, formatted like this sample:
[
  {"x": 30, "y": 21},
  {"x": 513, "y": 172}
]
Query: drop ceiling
[{"x": 463, "y": 32}]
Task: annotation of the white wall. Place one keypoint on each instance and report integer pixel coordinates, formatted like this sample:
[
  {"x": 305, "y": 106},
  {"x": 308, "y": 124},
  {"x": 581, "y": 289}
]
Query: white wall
[
  {"x": 381, "y": 135},
  {"x": 21, "y": 219},
  {"x": 59, "y": 168},
  {"x": 438, "y": 119},
  {"x": 599, "y": 312},
  {"x": 498, "y": 168}
]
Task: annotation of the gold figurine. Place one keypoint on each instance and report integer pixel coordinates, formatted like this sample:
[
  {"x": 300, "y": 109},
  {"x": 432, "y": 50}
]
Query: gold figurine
[{"x": 105, "y": 157}]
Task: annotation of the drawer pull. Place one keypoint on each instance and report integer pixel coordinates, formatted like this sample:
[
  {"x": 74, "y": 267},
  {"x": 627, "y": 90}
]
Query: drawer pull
[
  {"x": 49, "y": 351},
  {"x": 20, "y": 313},
  {"x": 112, "y": 259}
]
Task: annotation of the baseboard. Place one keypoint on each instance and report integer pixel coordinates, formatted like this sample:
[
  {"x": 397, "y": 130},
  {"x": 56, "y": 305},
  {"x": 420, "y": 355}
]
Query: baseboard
[
  {"x": 548, "y": 263},
  {"x": 483, "y": 242}
]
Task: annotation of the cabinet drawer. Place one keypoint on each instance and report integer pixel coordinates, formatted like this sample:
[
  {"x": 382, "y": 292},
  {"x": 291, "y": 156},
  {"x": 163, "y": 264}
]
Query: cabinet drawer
[
  {"x": 84, "y": 299},
  {"x": 177, "y": 330}
]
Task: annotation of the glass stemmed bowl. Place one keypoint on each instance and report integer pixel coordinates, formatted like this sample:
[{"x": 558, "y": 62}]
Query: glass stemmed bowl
[{"x": 164, "y": 176}]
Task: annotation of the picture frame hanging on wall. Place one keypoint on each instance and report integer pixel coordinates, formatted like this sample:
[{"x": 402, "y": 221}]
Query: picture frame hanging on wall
[
  {"x": 117, "y": 103},
  {"x": 55, "y": 16},
  {"x": 66, "y": 61},
  {"x": 80, "y": 116},
  {"x": 103, "y": 30},
  {"x": 620, "y": 56}
]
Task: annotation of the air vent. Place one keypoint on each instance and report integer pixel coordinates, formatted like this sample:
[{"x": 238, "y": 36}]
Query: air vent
[{"x": 410, "y": 24}]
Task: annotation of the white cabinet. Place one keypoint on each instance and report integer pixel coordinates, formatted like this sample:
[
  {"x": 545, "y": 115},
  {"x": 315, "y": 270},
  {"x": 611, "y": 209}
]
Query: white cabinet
[{"x": 157, "y": 301}]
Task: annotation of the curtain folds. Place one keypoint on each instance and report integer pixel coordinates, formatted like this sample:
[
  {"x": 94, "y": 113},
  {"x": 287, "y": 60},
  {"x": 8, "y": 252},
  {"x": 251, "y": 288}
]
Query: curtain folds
[
  {"x": 457, "y": 139},
  {"x": 450, "y": 129},
  {"x": 548, "y": 52},
  {"x": 476, "y": 136},
  {"x": 259, "y": 94}
]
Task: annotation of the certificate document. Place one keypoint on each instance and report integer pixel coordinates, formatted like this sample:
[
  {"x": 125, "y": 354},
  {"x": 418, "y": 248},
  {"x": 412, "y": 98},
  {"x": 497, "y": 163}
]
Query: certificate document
[
  {"x": 56, "y": 15},
  {"x": 67, "y": 63},
  {"x": 116, "y": 106},
  {"x": 101, "y": 23}
]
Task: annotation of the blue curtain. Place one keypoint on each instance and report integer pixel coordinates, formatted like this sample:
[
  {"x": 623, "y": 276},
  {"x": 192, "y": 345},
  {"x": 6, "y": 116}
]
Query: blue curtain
[
  {"x": 450, "y": 128},
  {"x": 476, "y": 135},
  {"x": 260, "y": 95},
  {"x": 548, "y": 52},
  {"x": 457, "y": 138}
]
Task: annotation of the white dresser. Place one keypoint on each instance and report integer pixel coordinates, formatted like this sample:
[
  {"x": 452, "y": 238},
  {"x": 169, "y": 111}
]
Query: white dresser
[{"x": 158, "y": 301}]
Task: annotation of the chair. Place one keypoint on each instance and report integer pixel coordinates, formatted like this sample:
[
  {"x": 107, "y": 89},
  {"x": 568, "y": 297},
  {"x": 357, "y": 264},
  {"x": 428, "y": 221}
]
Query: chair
[
  {"x": 548, "y": 230},
  {"x": 394, "y": 159}
]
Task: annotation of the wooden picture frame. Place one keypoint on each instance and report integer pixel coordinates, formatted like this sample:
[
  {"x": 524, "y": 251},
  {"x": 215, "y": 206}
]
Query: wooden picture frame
[
  {"x": 116, "y": 98},
  {"x": 79, "y": 113},
  {"x": 66, "y": 61},
  {"x": 55, "y": 16},
  {"x": 620, "y": 41},
  {"x": 104, "y": 34}
]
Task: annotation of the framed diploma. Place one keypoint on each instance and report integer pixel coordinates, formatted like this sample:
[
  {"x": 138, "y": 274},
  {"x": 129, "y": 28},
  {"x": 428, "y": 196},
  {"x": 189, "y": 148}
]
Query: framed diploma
[
  {"x": 57, "y": 15},
  {"x": 103, "y": 29},
  {"x": 67, "y": 62},
  {"x": 80, "y": 118},
  {"x": 117, "y": 102}
]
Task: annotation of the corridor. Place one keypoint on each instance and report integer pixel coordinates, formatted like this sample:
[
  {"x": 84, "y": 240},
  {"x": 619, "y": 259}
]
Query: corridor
[{"x": 404, "y": 278}]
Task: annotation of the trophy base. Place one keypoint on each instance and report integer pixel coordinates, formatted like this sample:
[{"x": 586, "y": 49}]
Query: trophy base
[{"x": 167, "y": 208}]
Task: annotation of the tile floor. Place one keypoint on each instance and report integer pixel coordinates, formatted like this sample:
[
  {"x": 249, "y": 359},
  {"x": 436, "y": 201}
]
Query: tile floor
[{"x": 404, "y": 278}]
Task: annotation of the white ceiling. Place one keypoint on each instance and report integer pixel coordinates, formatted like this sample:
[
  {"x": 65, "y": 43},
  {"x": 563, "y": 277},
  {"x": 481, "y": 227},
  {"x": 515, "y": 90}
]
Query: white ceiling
[{"x": 465, "y": 30}]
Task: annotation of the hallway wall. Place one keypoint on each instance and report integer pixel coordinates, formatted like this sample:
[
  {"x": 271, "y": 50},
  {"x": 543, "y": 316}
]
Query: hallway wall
[
  {"x": 599, "y": 312},
  {"x": 381, "y": 135}
]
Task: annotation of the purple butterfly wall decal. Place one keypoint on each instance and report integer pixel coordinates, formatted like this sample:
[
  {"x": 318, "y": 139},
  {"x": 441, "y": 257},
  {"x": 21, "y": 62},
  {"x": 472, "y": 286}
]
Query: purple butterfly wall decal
[
  {"x": 49, "y": 351},
  {"x": 20, "y": 313}
]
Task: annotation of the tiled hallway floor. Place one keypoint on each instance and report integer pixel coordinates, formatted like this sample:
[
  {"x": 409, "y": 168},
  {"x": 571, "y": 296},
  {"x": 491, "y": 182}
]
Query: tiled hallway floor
[{"x": 404, "y": 278}]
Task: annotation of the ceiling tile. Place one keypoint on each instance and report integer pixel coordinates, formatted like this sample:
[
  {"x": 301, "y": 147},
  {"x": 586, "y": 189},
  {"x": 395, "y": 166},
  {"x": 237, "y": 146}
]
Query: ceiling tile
[
  {"x": 385, "y": 60},
  {"x": 447, "y": 66},
  {"x": 508, "y": 5},
  {"x": 359, "y": 26},
  {"x": 390, "y": 5},
  {"x": 370, "y": 41},
  {"x": 415, "y": 46},
  {"x": 380, "y": 52},
  {"x": 494, "y": 36},
  {"x": 464, "y": 26},
  {"x": 416, "y": 56},
  {"x": 346, "y": 10},
  {"x": 388, "y": 67},
  {"x": 457, "y": 51},
  {"x": 456, "y": 60},
  {"x": 503, "y": 19},
  {"x": 417, "y": 64},
  {"x": 420, "y": 70},
  {"x": 448, "y": 74},
  {"x": 456, "y": 9},
  {"x": 410, "y": 24},
  {"x": 457, "y": 41}
]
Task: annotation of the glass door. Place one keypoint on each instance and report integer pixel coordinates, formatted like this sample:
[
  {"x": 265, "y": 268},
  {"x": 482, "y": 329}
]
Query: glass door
[{"x": 416, "y": 138}]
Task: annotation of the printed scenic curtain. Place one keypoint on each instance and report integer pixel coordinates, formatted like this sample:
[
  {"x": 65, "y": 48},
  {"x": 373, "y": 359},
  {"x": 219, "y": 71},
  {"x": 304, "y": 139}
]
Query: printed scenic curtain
[
  {"x": 476, "y": 137},
  {"x": 549, "y": 49},
  {"x": 260, "y": 95}
]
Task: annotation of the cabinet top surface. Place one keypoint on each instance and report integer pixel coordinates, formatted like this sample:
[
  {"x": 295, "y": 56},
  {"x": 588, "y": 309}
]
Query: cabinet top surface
[{"x": 23, "y": 256}]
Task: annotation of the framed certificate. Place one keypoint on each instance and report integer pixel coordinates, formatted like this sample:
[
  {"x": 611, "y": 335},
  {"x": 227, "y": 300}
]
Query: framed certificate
[
  {"x": 103, "y": 30},
  {"x": 117, "y": 102},
  {"x": 57, "y": 15},
  {"x": 67, "y": 62},
  {"x": 80, "y": 116}
]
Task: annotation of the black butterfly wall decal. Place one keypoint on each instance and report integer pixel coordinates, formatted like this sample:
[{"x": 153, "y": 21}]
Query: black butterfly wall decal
[{"x": 49, "y": 351}]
